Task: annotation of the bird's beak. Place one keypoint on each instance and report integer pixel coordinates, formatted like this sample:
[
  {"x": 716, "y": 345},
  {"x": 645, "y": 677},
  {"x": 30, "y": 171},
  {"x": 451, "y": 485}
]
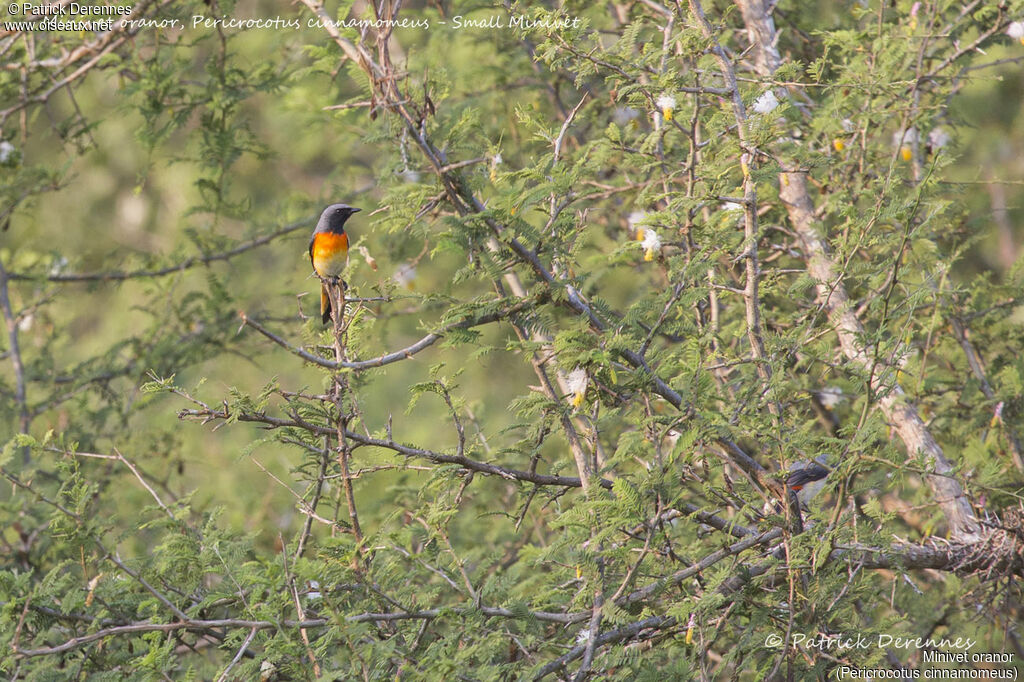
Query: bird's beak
[{"x": 355, "y": 210}]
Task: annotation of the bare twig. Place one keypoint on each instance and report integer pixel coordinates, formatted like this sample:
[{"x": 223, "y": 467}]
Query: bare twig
[
  {"x": 388, "y": 358},
  {"x": 187, "y": 264},
  {"x": 142, "y": 480},
  {"x": 238, "y": 655}
]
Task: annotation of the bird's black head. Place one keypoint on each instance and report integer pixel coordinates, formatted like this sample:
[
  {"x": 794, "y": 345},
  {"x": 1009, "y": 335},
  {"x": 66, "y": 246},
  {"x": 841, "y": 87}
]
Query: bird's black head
[
  {"x": 806, "y": 472},
  {"x": 334, "y": 216}
]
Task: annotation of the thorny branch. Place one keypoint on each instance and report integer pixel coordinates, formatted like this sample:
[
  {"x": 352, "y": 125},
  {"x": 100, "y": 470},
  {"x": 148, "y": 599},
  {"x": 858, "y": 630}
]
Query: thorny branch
[{"x": 893, "y": 401}]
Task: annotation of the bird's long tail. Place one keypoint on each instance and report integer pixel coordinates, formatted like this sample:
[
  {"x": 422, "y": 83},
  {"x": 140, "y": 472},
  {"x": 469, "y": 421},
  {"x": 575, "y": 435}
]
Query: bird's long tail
[
  {"x": 325, "y": 300},
  {"x": 325, "y": 303}
]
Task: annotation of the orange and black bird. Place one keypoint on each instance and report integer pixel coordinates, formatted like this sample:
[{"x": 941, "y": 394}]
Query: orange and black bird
[{"x": 328, "y": 251}]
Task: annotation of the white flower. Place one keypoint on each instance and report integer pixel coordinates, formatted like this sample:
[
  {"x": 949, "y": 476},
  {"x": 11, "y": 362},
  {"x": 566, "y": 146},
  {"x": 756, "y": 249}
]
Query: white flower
[
  {"x": 633, "y": 220},
  {"x": 406, "y": 276},
  {"x": 495, "y": 162},
  {"x": 997, "y": 416},
  {"x": 6, "y": 151},
  {"x": 576, "y": 382},
  {"x": 847, "y": 125},
  {"x": 496, "y": 159},
  {"x": 650, "y": 244},
  {"x": 830, "y": 396},
  {"x": 58, "y": 266},
  {"x": 1016, "y": 31},
  {"x": 623, "y": 115},
  {"x": 583, "y": 636},
  {"x": 905, "y": 140},
  {"x": 938, "y": 138},
  {"x": 667, "y": 103},
  {"x": 908, "y": 136},
  {"x": 766, "y": 103},
  {"x": 25, "y": 323}
]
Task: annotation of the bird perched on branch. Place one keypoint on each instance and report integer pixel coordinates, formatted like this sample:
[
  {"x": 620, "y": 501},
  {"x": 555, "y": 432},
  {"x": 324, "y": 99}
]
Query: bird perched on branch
[
  {"x": 807, "y": 479},
  {"x": 328, "y": 252},
  {"x": 804, "y": 480}
]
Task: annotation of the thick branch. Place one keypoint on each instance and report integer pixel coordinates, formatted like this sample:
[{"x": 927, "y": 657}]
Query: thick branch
[
  {"x": 630, "y": 631},
  {"x": 895, "y": 405}
]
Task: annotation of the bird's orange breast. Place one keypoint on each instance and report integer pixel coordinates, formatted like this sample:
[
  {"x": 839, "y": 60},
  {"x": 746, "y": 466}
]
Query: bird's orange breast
[{"x": 330, "y": 253}]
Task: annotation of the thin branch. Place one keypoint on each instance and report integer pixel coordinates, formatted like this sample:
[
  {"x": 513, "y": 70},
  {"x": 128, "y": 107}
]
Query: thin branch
[
  {"x": 187, "y": 624},
  {"x": 187, "y": 264},
  {"x": 657, "y": 586},
  {"x": 105, "y": 44},
  {"x": 395, "y": 356},
  {"x": 15, "y": 355},
  {"x": 630, "y": 631},
  {"x": 565, "y": 127},
  {"x": 135, "y": 470},
  {"x": 208, "y": 413},
  {"x": 974, "y": 362},
  {"x": 238, "y": 655},
  {"x": 748, "y": 154},
  {"x": 199, "y": 625}
]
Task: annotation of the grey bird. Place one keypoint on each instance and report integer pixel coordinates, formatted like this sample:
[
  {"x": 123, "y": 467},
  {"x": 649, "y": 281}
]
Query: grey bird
[{"x": 807, "y": 479}]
